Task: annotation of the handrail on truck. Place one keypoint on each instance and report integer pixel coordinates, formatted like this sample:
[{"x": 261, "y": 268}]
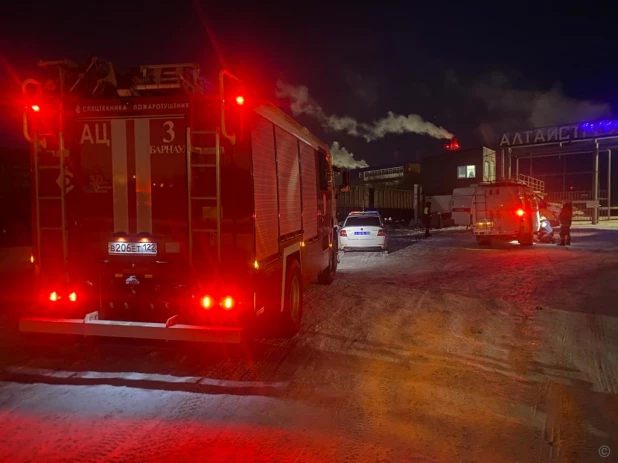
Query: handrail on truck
[
  {"x": 25, "y": 117},
  {"x": 222, "y": 74}
]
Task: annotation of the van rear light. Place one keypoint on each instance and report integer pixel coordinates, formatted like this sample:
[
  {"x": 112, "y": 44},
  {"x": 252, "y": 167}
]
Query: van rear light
[
  {"x": 381, "y": 232},
  {"x": 53, "y": 296},
  {"x": 343, "y": 233},
  {"x": 228, "y": 303},
  {"x": 520, "y": 212},
  {"x": 206, "y": 302},
  {"x": 73, "y": 297}
]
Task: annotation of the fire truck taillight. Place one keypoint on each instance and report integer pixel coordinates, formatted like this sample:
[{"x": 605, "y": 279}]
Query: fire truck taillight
[
  {"x": 35, "y": 107},
  {"x": 228, "y": 303},
  {"x": 53, "y": 296},
  {"x": 256, "y": 265},
  {"x": 520, "y": 212},
  {"x": 240, "y": 100},
  {"x": 206, "y": 302},
  {"x": 73, "y": 297}
]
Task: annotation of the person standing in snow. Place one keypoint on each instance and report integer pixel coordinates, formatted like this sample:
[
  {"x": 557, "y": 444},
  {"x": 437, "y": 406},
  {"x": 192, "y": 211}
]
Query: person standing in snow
[
  {"x": 566, "y": 218},
  {"x": 427, "y": 218}
]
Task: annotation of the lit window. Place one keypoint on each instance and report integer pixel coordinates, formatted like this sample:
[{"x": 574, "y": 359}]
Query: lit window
[{"x": 466, "y": 172}]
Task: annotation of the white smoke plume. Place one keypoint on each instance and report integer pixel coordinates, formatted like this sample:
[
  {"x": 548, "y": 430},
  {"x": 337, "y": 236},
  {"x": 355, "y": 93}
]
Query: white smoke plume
[
  {"x": 302, "y": 103},
  {"x": 516, "y": 108},
  {"x": 343, "y": 158},
  {"x": 413, "y": 123}
]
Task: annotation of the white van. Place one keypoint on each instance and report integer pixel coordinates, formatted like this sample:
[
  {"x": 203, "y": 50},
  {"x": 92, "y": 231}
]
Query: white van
[
  {"x": 440, "y": 204},
  {"x": 505, "y": 210},
  {"x": 461, "y": 205}
]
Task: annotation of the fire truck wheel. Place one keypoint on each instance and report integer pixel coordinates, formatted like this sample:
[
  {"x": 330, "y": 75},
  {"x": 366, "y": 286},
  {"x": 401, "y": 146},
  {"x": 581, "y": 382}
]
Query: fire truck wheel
[
  {"x": 483, "y": 241},
  {"x": 293, "y": 304},
  {"x": 526, "y": 240}
]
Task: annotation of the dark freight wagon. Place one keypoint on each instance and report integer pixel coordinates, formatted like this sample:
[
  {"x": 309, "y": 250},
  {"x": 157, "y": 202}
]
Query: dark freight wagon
[{"x": 397, "y": 204}]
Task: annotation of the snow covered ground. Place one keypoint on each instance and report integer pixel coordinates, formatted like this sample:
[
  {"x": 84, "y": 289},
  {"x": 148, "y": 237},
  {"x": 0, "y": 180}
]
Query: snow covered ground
[{"x": 439, "y": 351}]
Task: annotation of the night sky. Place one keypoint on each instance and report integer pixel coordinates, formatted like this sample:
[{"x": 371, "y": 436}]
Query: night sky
[{"x": 474, "y": 72}]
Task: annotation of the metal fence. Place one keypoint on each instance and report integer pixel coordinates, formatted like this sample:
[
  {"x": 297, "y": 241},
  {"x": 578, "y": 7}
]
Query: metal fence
[{"x": 580, "y": 201}]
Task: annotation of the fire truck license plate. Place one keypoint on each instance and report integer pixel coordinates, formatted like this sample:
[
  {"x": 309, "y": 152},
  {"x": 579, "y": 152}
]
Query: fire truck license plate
[{"x": 132, "y": 248}]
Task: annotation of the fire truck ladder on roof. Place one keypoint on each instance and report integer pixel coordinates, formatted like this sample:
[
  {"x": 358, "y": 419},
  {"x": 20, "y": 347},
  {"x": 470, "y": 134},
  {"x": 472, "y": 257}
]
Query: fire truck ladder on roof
[
  {"x": 39, "y": 149},
  {"x": 537, "y": 185},
  {"x": 206, "y": 160},
  {"x": 168, "y": 76}
]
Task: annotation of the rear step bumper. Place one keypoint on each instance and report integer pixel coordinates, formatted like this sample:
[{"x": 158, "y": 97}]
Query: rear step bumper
[{"x": 138, "y": 330}]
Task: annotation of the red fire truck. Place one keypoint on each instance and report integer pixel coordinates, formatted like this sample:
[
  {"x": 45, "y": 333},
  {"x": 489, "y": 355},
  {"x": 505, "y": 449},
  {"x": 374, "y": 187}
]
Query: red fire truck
[{"x": 171, "y": 207}]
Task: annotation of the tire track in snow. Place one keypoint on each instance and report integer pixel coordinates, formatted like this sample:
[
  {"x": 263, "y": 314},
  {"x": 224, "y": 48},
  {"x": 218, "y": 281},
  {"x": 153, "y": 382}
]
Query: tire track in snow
[{"x": 605, "y": 375}]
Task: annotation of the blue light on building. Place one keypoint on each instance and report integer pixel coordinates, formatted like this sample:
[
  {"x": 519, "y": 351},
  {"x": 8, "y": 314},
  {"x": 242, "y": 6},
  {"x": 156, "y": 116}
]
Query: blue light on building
[{"x": 599, "y": 127}]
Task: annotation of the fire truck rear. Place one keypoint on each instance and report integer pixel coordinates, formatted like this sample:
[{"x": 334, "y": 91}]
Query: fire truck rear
[
  {"x": 504, "y": 210},
  {"x": 171, "y": 207}
]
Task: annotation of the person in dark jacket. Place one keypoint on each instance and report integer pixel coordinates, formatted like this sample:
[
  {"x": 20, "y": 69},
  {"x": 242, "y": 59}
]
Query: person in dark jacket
[
  {"x": 566, "y": 218},
  {"x": 427, "y": 218}
]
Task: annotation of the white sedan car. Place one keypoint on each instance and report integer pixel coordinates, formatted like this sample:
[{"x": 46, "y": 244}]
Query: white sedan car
[{"x": 363, "y": 231}]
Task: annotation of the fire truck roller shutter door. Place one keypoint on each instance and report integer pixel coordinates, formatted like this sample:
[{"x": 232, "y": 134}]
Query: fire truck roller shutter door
[
  {"x": 288, "y": 182},
  {"x": 265, "y": 188},
  {"x": 310, "y": 195}
]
